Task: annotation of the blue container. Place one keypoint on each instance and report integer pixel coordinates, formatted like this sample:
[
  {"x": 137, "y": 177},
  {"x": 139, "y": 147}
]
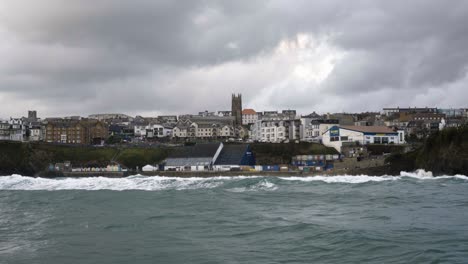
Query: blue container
[{"x": 271, "y": 167}]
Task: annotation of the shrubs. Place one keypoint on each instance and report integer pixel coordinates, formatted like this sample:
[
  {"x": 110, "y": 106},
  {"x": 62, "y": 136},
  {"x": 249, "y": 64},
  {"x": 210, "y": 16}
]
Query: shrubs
[{"x": 443, "y": 152}]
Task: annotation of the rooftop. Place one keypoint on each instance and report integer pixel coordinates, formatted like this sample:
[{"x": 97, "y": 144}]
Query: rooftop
[
  {"x": 369, "y": 129},
  {"x": 231, "y": 154},
  {"x": 248, "y": 111},
  {"x": 196, "y": 151}
]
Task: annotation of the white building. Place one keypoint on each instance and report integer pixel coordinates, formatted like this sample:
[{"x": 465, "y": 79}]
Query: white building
[
  {"x": 249, "y": 116},
  {"x": 203, "y": 129},
  {"x": 314, "y": 129},
  {"x": 152, "y": 130},
  {"x": 17, "y": 129},
  {"x": 180, "y": 131},
  {"x": 4, "y": 130},
  {"x": 276, "y": 131},
  {"x": 36, "y": 133},
  {"x": 158, "y": 130},
  {"x": 139, "y": 129},
  {"x": 336, "y": 136}
]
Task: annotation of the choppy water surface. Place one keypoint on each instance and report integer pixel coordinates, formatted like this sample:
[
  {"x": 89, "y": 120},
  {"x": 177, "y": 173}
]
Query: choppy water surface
[{"x": 412, "y": 218}]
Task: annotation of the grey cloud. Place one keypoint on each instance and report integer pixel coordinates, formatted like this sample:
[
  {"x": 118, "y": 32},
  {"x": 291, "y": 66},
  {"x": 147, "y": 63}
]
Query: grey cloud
[{"x": 161, "y": 56}]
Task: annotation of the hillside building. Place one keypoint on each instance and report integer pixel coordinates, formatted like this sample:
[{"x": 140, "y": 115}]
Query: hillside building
[
  {"x": 199, "y": 157},
  {"x": 249, "y": 116},
  {"x": 338, "y": 136},
  {"x": 76, "y": 131},
  {"x": 314, "y": 129},
  {"x": 233, "y": 157},
  {"x": 394, "y": 110}
]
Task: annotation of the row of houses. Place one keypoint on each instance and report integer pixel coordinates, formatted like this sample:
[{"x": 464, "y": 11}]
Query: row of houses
[
  {"x": 266, "y": 126},
  {"x": 12, "y": 129},
  {"x": 69, "y": 130},
  {"x": 75, "y": 131}
]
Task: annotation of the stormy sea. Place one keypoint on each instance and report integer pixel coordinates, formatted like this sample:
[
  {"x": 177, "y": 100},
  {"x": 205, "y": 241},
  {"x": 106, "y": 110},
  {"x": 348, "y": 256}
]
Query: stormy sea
[{"x": 410, "y": 218}]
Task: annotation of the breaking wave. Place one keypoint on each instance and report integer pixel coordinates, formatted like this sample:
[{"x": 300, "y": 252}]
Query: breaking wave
[
  {"x": 263, "y": 185},
  {"x": 232, "y": 184},
  {"x": 419, "y": 174}
]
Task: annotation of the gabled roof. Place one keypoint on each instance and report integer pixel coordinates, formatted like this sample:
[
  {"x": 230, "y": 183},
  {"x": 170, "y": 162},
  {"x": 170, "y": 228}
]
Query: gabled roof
[
  {"x": 197, "y": 151},
  {"x": 248, "y": 111},
  {"x": 428, "y": 115},
  {"x": 369, "y": 129},
  {"x": 231, "y": 154},
  {"x": 325, "y": 121}
]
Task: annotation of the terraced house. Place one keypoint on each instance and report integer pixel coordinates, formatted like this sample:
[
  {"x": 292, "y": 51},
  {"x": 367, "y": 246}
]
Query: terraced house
[{"x": 76, "y": 131}]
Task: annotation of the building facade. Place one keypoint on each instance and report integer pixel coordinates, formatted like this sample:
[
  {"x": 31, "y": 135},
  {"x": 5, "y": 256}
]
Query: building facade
[
  {"x": 395, "y": 110},
  {"x": 339, "y": 136},
  {"x": 158, "y": 131},
  {"x": 315, "y": 128},
  {"x": 249, "y": 116},
  {"x": 276, "y": 131},
  {"x": 17, "y": 129},
  {"x": 83, "y": 131},
  {"x": 4, "y": 130}
]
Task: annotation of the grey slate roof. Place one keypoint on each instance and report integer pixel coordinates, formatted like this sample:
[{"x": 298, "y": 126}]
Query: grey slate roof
[
  {"x": 231, "y": 155},
  {"x": 197, "y": 151}
]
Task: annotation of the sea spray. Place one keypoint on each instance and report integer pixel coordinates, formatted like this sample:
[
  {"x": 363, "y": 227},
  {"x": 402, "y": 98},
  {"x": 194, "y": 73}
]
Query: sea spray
[{"x": 155, "y": 183}]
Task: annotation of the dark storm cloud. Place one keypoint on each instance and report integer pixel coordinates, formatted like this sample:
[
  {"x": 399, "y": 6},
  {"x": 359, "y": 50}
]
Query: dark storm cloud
[{"x": 182, "y": 56}]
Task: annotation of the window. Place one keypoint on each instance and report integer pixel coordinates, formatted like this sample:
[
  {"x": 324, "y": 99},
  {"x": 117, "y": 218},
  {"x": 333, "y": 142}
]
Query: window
[
  {"x": 384, "y": 140},
  {"x": 334, "y": 138},
  {"x": 345, "y": 138},
  {"x": 377, "y": 140}
]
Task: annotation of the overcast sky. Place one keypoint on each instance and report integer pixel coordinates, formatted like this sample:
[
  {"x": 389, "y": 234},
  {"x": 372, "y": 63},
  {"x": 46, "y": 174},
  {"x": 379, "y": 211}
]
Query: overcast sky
[{"x": 160, "y": 57}]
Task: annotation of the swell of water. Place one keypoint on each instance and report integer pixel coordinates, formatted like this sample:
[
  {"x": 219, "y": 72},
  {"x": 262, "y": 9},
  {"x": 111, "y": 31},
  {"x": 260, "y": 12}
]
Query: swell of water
[
  {"x": 409, "y": 218},
  {"x": 155, "y": 183}
]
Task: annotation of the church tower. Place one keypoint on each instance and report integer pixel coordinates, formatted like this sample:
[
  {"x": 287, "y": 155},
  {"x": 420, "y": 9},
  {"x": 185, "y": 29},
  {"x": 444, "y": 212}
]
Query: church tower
[{"x": 237, "y": 109}]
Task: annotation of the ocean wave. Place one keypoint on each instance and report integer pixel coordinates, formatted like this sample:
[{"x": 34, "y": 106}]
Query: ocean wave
[
  {"x": 263, "y": 185},
  {"x": 418, "y": 174},
  {"x": 342, "y": 178},
  {"x": 137, "y": 182},
  {"x": 232, "y": 183}
]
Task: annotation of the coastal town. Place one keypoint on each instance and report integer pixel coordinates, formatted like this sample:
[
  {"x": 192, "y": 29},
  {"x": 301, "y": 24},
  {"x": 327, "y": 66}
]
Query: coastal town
[{"x": 226, "y": 140}]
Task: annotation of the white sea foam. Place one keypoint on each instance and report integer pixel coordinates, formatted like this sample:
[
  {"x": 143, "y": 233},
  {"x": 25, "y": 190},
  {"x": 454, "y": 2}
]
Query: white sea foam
[
  {"x": 419, "y": 174},
  {"x": 137, "y": 182},
  {"x": 342, "y": 178},
  {"x": 153, "y": 183},
  {"x": 263, "y": 185}
]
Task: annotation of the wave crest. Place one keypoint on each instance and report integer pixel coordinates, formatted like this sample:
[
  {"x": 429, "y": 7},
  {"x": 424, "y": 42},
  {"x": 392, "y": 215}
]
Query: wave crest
[{"x": 231, "y": 183}]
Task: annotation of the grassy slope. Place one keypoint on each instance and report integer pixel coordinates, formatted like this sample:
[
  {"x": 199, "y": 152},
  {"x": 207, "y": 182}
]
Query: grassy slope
[
  {"x": 444, "y": 152},
  {"x": 29, "y": 159}
]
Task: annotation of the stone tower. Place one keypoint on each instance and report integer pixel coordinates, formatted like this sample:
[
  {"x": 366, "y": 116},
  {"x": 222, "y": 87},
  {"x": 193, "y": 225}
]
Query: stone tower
[
  {"x": 32, "y": 114},
  {"x": 237, "y": 109}
]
